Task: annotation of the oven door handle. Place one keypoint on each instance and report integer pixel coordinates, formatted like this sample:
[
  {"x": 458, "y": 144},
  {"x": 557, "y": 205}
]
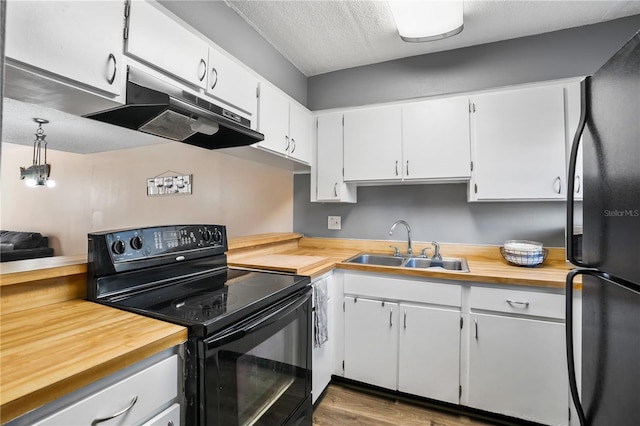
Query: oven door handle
[{"x": 270, "y": 317}]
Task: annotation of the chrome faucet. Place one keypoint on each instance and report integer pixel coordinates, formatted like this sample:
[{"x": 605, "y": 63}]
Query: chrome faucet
[
  {"x": 436, "y": 251},
  {"x": 402, "y": 222}
]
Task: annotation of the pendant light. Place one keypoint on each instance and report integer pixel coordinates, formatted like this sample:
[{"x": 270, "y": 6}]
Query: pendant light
[{"x": 38, "y": 173}]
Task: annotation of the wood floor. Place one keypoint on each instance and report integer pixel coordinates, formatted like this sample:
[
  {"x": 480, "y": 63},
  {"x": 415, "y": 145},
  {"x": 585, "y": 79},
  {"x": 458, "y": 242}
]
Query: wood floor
[{"x": 347, "y": 407}]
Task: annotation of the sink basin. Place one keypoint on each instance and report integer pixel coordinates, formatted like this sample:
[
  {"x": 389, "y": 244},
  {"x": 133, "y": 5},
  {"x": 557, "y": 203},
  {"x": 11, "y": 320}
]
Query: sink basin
[
  {"x": 449, "y": 264},
  {"x": 374, "y": 259}
]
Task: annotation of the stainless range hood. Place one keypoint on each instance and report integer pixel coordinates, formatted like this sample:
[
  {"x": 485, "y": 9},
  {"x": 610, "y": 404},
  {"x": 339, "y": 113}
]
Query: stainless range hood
[{"x": 162, "y": 109}]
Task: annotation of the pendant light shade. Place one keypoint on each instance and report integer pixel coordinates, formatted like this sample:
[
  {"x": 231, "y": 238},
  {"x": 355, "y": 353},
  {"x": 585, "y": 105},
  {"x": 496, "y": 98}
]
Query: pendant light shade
[{"x": 426, "y": 20}]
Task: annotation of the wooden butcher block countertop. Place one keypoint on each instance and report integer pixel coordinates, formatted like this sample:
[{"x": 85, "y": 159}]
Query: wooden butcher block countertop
[
  {"x": 53, "y": 342},
  {"x": 485, "y": 262}
]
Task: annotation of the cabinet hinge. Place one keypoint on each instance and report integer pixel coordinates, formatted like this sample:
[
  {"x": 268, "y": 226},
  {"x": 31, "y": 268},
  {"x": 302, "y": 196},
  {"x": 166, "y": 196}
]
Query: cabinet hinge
[
  {"x": 258, "y": 90},
  {"x": 472, "y": 166},
  {"x": 460, "y": 391},
  {"x": 475, "y": 188},
  {"x": 472, "y": 107},
  {"x": 343, "y": 303},
  {"x": 127, "y": 10},
  {"x": 461, "y": 322},
  {"x": 343, "y": 365},
  {"x": 343, "y": 119},
  {"x": 317, "y": 123}
]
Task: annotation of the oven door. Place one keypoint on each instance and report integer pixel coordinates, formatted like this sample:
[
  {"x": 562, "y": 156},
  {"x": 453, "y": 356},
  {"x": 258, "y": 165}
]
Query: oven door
[{"x": 259, "y": 371}]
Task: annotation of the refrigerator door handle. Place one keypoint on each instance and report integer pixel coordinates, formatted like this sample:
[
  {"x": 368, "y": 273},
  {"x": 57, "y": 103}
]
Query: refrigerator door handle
[
  {"x": 573, "y": 385},
  {"x": 572, "y": 173}
]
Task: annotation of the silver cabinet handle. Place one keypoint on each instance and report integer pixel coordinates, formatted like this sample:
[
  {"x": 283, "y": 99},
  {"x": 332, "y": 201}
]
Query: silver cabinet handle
[
  {"x": 391, "y": 318},
  {"x": 476, "y": 323},
  {"x": 558, "y": 184},
  {"x": 515, "y": 302},
  {"x": 119, "y": 413},
  {"x": 215, "y": 81},
  {"x": 286, "y": 148},
  {"x": 407, "y": 167},
  {"x": 396, "y": 168},
  {"x": 335, "y": 189},
  {"x": 577, "y": 184},
  {"x": 115, "y": 68},
  {"x": 405, "y": 319},
  {"x": 203, "y": 65},
  {"x": 293, "y": 145}
]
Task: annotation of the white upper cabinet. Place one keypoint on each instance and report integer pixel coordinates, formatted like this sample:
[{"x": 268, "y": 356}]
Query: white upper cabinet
[
  {"x": 155, "y": 38},
  {"x": 78, "y": 41},
  {"x": 435, "y": 140},
  {"x": 329, "y": 161},
  {"x": 373, "y": 144},
  {"x": 518, "y": 145},
  {"x": 287, "y": 126},
  {"x": 231, "y": 83},
  {"x": 300, "y": 133}
]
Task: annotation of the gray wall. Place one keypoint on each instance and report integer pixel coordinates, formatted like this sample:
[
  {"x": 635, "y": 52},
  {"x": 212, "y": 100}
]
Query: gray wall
[
  {"x": 434, "y": 212},
  {"x": 568, "y": 53},
  {"x": 224, "y": 27}
]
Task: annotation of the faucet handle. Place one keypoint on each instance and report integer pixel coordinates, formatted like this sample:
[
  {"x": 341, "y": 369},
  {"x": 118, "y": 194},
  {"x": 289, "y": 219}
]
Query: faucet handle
[
  {"x": 396, "y": 250},
  {"x": 423, "y": 253}
]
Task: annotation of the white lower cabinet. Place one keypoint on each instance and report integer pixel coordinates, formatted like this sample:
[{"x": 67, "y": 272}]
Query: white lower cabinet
[
  {"x": 403, "y": 334},
  {"x": 371, "y": 341},
  {"x": 517, "y": 360},
  {"x": 322, "y": 359},
  {"x": 147, "y": 393},
  {"x": 429, "y": 352},
  {"x": 500, "y": 349}
]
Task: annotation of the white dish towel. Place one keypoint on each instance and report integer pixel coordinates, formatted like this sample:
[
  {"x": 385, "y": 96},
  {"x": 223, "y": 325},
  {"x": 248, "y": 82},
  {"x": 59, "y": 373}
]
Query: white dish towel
[{"x": 320, "y": 294}]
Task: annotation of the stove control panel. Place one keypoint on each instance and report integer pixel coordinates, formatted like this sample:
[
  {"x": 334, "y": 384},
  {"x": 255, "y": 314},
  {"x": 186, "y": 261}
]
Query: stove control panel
[{"x": 143, "y": 243}]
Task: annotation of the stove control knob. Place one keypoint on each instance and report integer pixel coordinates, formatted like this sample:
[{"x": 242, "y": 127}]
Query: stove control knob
[
  {"x": 217, "y": 236},
  {"x": 118, "y": 247},
  {"x": 207, "y": 235},
  {"x": 136, "y": 242}
]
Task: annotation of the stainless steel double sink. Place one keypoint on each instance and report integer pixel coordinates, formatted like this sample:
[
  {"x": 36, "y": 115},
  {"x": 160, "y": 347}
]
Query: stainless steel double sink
[{"x": 446, "y": 263}]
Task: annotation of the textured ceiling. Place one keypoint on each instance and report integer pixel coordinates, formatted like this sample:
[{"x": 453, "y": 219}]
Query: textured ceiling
[{"x": 324, "y": 36}]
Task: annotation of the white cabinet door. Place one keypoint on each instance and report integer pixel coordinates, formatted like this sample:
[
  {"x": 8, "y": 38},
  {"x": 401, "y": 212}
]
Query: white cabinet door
[
  {"x": 273, "y": 120},
  {"x": 329, "y": 163},
  {"x": 429, "y": 360},
  {"x": 518, "y": 145},
  {"x": 373, "y": 144},
  {"x": 79, "y": 41},
  {"x": 161, "y": 42},
  {"x": 435, "y": 139},
  {"x": 300, "y": 133},
  {"x": 517, "y": 367},
  {"x": 231, "y": 82},
  {"x": 371, "y": 341},
  {"x": 322, "y": 360}
]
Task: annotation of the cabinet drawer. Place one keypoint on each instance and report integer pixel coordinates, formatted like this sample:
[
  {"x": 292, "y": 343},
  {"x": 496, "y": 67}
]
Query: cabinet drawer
[
  {"x": 153, "y": 387},
  {"x": 169, "y": 417},
  {"x": 533, "y": 303},
  {"x": 385, "y": 287}
]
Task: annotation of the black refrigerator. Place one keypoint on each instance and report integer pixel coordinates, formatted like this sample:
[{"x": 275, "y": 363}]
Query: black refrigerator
[{"x": 610, "y": 262}]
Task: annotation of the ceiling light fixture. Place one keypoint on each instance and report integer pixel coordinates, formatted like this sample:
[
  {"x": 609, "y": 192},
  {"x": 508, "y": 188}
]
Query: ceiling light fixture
[
  {"x": 38, "y": 173},
  {"x": 426, "y": 20}
]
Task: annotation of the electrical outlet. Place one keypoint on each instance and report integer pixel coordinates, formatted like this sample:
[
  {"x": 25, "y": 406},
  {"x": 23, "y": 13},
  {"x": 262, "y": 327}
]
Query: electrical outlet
[{"x": 334, "y": 222}]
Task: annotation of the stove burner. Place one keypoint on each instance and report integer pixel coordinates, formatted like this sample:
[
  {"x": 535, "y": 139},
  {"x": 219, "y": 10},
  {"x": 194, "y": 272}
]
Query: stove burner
[{"x": 208, "y": 304}]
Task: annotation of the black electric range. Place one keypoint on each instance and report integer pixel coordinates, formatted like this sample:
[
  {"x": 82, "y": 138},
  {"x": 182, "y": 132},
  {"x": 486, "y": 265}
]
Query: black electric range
[{"x": 179, "y": 274}]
